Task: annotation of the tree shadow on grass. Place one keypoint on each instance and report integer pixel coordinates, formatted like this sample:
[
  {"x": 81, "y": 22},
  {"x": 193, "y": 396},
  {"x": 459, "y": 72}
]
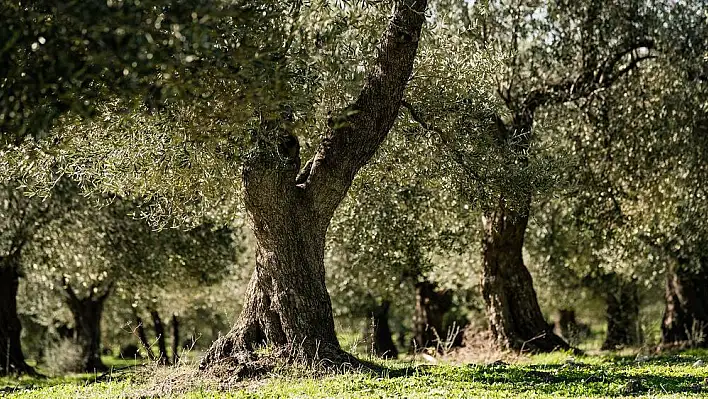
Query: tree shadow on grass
[
  {"x": 611, "y": 378},
  {"x": 29, "y": 383}
]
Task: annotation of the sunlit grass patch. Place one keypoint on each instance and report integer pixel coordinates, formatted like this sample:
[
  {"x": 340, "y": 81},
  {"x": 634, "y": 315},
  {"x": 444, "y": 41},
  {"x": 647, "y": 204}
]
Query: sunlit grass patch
[{"x": 541, "y": 376}]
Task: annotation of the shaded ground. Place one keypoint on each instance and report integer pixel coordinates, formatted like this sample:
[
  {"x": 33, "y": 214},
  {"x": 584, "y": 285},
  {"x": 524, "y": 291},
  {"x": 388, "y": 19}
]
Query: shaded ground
[{"x": 548, "y": 376}]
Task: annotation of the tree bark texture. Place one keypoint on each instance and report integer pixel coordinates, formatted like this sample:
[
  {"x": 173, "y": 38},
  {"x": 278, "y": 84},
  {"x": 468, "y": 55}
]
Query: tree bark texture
[
  {"x": 384, "y": 347},
  {"x": 87, "y": 313},
  {"x": 159, "y": 327},
  {"x": 287, "y": 305},
  {"x": 12, "y": 359},
  {"x": 515, "y": 317},
  {"x": 623, "y": 328},
  {"x": 686, "y": 312},
  {"x": 431, "y": 304}
]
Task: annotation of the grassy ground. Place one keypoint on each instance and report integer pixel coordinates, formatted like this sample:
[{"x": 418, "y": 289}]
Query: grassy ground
[{"x": 548, "y": 376}]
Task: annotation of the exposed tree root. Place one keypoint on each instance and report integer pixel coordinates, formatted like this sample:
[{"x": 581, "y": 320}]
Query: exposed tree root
[{"x": 229, "y": 360}]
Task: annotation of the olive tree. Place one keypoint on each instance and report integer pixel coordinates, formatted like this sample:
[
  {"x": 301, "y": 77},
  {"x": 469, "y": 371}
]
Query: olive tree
[
  {"x": 552, "y": 53},
  {"x": 273, "y": 70}
]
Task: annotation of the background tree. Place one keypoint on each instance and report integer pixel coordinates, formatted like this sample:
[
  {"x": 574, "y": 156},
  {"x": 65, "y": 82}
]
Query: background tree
[
  {"x": 397, "y": 243},
  {"x": 21, "y": 217},
  {"x": 555, "y": 53},
  {"x": 94, "y": 251}
]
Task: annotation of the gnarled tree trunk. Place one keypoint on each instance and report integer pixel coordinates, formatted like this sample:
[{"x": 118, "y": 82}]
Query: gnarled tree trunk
[
  {"x": 12, "y": 360},
  {"x": 686, "y": 312},
  {"x": 623, "y": 328},
  {"x": 87, "y": 313},
  {"x": 287, "y": 305},
  {"x": 430, "y": 307},
  {"x": 514, "y": 315}
]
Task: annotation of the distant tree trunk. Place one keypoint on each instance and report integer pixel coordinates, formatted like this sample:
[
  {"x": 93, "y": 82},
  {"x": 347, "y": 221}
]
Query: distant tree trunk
[
  {"x": 623, "y": 328},
  {"x": 568, "y": 324},
  {"x": 12, "y": 360},
  {"x": 431, "y": 305},
  {"x": 87, "y": 313},
  {"x": 686, "y": 312},
  {"x": 162, "y": 358},
  {"x": 142, "y": 336},
  {"x": 175, "y": 339},
  {"x": 383, "y": 338},
  {"x": 287, "y": 305},
  {"x": 514, "y": 315}
]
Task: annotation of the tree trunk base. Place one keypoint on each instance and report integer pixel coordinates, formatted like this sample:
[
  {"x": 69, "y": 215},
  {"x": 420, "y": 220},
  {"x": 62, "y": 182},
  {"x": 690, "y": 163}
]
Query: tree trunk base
[{"x": 232, "y": 358}]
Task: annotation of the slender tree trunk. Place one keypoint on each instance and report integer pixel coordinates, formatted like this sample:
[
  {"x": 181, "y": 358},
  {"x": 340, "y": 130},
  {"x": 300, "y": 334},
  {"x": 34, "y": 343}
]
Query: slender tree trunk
[
  {"x": 162, "y": 358},
  {"x": 287, "y": 306},
  {"x": 87, "y": 312},
  {"x": 142, "y": 336},
  {"x": 430, "y": 308},
  {"x": 514, "y": 315},
  {"x": 175, "y": 339},
  {"x": 686, "y": 312},
  {"x": 383, "y": 339},
  {"x": 623, "y": 328},
  {"x": 12, "y": 360}
]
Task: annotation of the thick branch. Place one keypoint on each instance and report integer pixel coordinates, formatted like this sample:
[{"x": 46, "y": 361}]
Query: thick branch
[
  {"x": 68, "y": 291},
  {"x": 357, "y": 131},
  {"x": 603, "y": 76}
]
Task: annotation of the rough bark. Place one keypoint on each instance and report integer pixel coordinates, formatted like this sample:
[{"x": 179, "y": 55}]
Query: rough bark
[
  {"x": 515, "y": 317},
  {"x": 384, "y": 346},
  {"x": 87, "y": 313},
  {"x": 12, "y": 359},
  {"x": 623, "y": 328},
  {"x": 162, "y": 357},
  {"x": 287, "y": 305},
  {"x": 175, "y": 339},
  {"x": 686, "y": 312},
  {"x": 430, "y": 307}
]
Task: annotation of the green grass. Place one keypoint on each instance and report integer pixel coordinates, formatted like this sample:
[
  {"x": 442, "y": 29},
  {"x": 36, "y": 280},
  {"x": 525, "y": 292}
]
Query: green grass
[{"x": 543, "y": 376}]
